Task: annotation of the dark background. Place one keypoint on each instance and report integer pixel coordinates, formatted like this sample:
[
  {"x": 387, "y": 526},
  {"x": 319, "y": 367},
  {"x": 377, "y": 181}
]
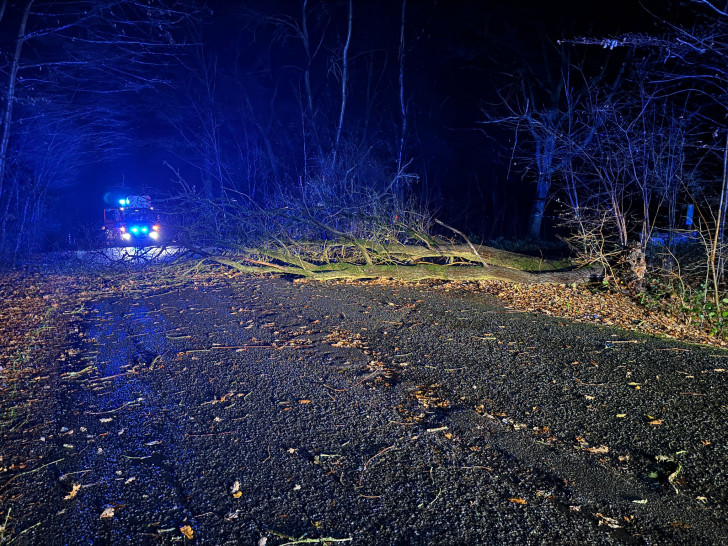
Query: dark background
[
  {"x": 461, "y": 58},
  {"x": 459, "y": 53}
]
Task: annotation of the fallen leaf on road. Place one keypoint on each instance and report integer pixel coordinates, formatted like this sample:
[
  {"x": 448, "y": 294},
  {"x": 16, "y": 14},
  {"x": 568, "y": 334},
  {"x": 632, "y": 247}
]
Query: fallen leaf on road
[
  {"x": 187, "y": 531},
  {"x": 598, "y": 450},
  {"x": 672, "y": 477},
  {"x": 656, "y": 422},
  {"x": 304, "y": 401},
  {"x": 108, "y": 512},
  {"x": 518, "y": 500},
  {"x": 605, "y": 520},
  {"x": 232, "y": 515},
  {"x": 438, "y": 429},
  {"x": 74, "y": 491}
]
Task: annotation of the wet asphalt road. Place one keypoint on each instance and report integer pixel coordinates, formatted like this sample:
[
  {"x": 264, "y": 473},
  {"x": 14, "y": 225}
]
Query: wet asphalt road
[{"x": 266, "y": 411}]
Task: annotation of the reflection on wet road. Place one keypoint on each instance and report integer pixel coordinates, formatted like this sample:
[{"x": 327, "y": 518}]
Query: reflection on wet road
[
  {"x": 272, "y": 411},
  {"x": 126, "y": 430}
]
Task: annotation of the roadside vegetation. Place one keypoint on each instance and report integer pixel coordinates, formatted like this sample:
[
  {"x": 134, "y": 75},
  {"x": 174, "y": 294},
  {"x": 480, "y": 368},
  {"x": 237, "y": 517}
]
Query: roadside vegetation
[{"x": 615, "y": 148}]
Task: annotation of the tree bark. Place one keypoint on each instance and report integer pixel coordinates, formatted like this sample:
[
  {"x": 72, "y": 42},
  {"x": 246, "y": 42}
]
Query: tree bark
[
  {"x": 344, "y": 76},
  {"x": 545, "y": 151},
  {"x": 402, "y": 106},
  {"x": 10, "y": 99},
  {"x": 413, "y": 273},
  {"x": 403, "y": 262}
]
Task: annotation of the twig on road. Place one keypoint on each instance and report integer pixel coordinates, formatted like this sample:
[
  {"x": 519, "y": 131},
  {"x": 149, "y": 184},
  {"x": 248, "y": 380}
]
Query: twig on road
[
  {"x": 367, "y": 377},
  {"x": 23, "y": 532},
  {"x": 223, "y": 347},
  {"x": 125, "y": 404},
  {"x": 30, "y": 472},
  {"x": 112, "y": 376},
  {"x": 302, "y": 540},
  {"x": 363, "y": 469},
  {"x": 211, "y": 434}
]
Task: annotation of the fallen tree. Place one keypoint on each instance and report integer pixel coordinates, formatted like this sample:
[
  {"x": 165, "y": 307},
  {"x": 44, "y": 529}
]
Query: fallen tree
[
  {"x": 403, "y": 262},
  {"x": 357, "y": 243}
]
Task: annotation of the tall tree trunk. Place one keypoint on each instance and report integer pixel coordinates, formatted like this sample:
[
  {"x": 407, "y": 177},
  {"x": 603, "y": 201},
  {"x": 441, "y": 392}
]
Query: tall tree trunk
[
  {"x": 10, "y": 99},
  {"x": 308, "y": 115},
  {"x": 307, "y": 47},
  {"x": 344, "y": 76},
  {"x": 539, "y": 205},
  {"x": 545, "y": 160},
  {"x": 402, "y": 106},
  {"x": 714, "y": 250},
  {"x": 4, "y": 218},
  {"x": 722, "y": 223},
  {"x": 21, "y": 231}
]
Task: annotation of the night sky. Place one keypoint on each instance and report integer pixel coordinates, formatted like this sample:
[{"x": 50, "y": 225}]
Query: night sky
[{"x": 458, "y": 54}]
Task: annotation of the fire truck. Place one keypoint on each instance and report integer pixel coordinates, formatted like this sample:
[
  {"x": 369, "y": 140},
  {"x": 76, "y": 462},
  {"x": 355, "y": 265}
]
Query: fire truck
[{"x": 133, "y": 223}]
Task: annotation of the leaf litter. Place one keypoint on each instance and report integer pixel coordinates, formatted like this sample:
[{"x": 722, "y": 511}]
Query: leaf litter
[{"x": 427, "y": 396}]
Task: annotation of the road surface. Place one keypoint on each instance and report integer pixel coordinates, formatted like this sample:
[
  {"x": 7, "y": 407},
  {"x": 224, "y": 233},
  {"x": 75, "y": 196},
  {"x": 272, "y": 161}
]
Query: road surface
[{"x": 263, "y": 411}]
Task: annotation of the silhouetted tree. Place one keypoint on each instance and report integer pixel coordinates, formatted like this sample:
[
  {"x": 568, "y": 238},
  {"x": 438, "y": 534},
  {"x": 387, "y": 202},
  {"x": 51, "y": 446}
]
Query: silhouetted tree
[{"x": 73, "y": 56}]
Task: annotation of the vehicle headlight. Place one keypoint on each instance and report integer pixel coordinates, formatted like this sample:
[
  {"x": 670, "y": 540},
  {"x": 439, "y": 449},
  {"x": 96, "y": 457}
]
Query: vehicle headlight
[
  {"x": 154, "y": 235},
  {"x": 126, "y": 236}
]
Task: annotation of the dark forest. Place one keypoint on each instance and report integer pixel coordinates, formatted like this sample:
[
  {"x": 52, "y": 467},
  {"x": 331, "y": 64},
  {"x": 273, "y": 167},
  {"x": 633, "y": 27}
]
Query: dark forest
[{"x": 600, "y": 127}]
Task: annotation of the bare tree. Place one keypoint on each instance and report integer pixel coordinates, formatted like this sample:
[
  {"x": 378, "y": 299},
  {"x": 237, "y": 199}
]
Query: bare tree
[
  {"x": 344, "y": 80},
  {"x": 402, "y": 104},
  {"x": 10, "y": 94},
  {"x": 65, "y": 52},
  {"x": 543, "y": 115},
  {"x": 681, "y": 128}
]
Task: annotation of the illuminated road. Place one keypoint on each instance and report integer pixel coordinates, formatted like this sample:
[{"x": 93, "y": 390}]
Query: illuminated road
[{"x": 248, "y": 413}]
